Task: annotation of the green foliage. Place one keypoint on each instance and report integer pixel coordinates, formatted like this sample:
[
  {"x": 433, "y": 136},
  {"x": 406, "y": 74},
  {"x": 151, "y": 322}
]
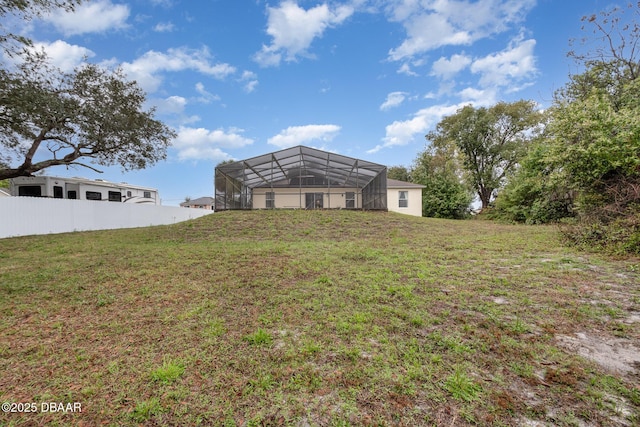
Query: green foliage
[
  {"x": 259, "y": 337},
  {"x": 26, "y": 10},
  {"x": 400, "y": 173},
  {"x": 489, "y": 141},
  {"x": 532, "y": 195},
  {"x": 168, "y": 372},
  {"x": 594, "y": 138},
  {"x": 587, "y": 164},
  {"x": 462, "y": 387},
  {"x": 444, "y": 195},
  {"x": 146, "y": 409},
  {"x": 91, "y": 113},
  {"x": 620, "y": 236}
]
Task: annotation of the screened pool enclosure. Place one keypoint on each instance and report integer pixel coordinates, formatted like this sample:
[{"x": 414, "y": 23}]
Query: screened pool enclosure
[{"x": 301, "y": 178}]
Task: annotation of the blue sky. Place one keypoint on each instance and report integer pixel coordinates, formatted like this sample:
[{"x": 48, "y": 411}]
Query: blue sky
[{"x": 363, "y": 78}]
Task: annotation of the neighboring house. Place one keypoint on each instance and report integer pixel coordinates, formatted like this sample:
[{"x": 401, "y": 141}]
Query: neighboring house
[
  {"x": 199, "y": 203},
  {"x": 82, "y": 189},
  {"x": 404, "y": 197},
  {"x": 4, "y": 192},
  {"x": 301, "y": 178}
]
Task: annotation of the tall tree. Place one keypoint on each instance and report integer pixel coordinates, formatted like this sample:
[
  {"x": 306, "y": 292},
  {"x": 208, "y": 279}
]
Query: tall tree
[
  {"x": 51, "y": 118},
  {"x": 588, "y": 162},
  {"x": 490, "y": 141},
  {"x": 445, "y": 194},
  {"x": 400, "y": 173},
  {"x": 595, "y": 131},
  {"x": 26, "y": 10}
]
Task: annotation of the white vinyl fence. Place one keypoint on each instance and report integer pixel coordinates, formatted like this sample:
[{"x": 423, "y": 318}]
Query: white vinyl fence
[{"x": 22, "y": 216}]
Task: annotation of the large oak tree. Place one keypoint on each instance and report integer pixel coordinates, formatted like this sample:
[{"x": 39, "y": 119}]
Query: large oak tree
[
  {"x": 91, "y": 115},
  {"x": 489, "y": 141}
]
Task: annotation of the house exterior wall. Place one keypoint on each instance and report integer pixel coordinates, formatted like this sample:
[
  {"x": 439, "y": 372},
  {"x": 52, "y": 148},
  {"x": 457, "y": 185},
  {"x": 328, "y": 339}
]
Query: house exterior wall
[
  {"x": 209, "y": 207},
  {"x": 48, "y": 184},
  {"x": 294, "y": 198},
  {"x": 414, "y": 201}
]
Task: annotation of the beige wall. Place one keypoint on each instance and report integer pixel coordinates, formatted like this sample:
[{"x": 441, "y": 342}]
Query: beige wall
[
  {"x": 414, "y": 206},
  {"x": 294, "y": 198}
]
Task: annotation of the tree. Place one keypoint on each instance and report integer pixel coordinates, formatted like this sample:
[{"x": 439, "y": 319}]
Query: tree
[
  {"x": 91, "y": 114},
  {"x": 400, "y": 173},
  {"x": 595, "y": 131},
  {"x": 534, "y": 194},
  {"x": 490, "y": 141},
  {"x": 444, "y": 195},
  {"x": 27, "y": 9},
  {"x": 588, "y": 160}
]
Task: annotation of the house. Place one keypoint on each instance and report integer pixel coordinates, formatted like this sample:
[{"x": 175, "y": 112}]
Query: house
[
  {"x": 307, "y": 178},
  {"x": 404, "y": 197},
  {"x": 4, "y": 193},
  {"x": 56, "y": 187},
  {"x": 199, "y": 203},
  {"x": 301, "y": 178}
]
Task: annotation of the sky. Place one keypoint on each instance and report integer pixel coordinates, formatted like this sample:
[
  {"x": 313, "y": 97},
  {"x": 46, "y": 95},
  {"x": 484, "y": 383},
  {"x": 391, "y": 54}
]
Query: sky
[{"x": 362, "y": 78}]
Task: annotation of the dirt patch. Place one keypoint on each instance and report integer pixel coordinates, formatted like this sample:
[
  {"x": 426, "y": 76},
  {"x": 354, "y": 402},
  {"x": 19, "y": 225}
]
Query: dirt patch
[{"x": 616, "y": 355}]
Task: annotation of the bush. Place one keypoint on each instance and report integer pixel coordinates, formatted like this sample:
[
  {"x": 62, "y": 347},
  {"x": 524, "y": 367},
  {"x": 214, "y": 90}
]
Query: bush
[{"x": 620, "y": 236}]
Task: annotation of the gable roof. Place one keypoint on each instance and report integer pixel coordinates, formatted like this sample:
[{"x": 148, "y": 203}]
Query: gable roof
[
  {"x": 394, "y": 183},
  {"x": 199, "y": 201}
]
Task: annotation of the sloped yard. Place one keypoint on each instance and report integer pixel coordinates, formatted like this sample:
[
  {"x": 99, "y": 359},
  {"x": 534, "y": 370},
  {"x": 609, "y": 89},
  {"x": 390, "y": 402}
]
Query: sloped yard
[{"x": 327, "y": 318}]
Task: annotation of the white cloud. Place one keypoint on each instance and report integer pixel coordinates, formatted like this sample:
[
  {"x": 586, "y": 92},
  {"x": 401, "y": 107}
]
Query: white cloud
[
  {"x": 90, "y": 17},
  {"x": 64, "y": 55},
  {"x": 431, "y": 24},
  {"x": 296, "y": 135},
  {"x": 447, "y": 68},
  {"x": 250, "y": 80},
  {"x": 147, "y": 69},
  {"x": 165, "y": 3},
  {"x": 426, "y": 32},
  {"x": 293, "y": 29},
  {"x": 406, "y": 69},
  {"x": 404, "y": 132},
  {"x": 479, "y": 97},
  {"x": 205, "y": 96},
  {"x": 514, "y": 64},
  {"x": 171, "y": 105},
  {"x": 394, "y": 99},
  {"x": 200, "y": 143},
  {"x": 164, "y": 27}
]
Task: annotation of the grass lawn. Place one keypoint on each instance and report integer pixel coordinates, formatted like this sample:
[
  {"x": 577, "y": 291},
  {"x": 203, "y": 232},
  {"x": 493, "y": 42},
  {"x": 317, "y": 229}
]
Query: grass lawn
[{"x": 318, "y": 318}]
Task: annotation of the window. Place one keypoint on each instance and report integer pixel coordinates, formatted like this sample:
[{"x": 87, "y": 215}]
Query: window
[
  {"x": 129, "y": 194},
  {"x": 30, "y": 191},
  {"x": 147, "y": 194},
  {"x": 271, "y": 200},
  {"x": 115, "y": 196},
  {"x": 93, "y": 195},
  {"x": 72, "y": 194},
  {"x": 350, "y": 200},
  {"x": 58, "y": 192},
  {"x": 403, "y": 199}
]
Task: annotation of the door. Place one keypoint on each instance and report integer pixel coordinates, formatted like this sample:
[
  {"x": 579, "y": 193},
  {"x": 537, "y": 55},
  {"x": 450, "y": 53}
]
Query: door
[{"x": 313, "y": 200}]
